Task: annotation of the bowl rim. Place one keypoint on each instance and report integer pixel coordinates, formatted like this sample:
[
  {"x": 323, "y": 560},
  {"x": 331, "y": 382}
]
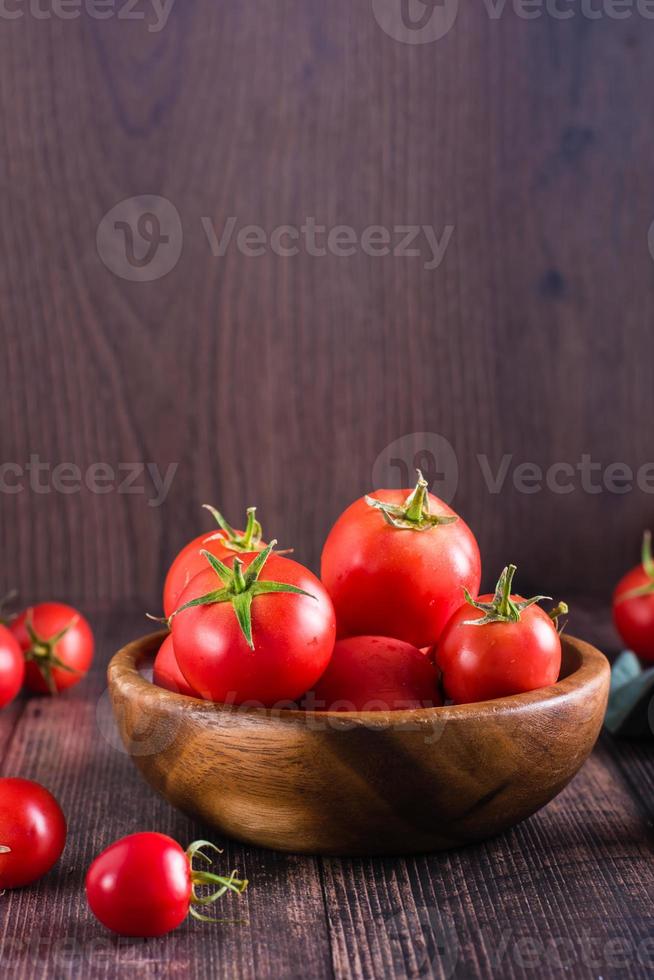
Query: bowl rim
[{"x": 592, "y": 668}]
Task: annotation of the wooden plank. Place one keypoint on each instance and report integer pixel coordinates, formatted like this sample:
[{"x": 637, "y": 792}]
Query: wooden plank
[
  {"x": 258, "y": 374},
  {"x": 566, "y": 893},
  {"x": 47, "y": 930}
]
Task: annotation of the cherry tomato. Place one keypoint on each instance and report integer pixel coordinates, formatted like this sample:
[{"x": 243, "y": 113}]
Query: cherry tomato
[
  {"x": 145, "y": 885},
  {"x": 32, "y": 832},
  {"x": 257, "y": 629},
  {"x": 12, "y": 667},
  {"x": 222, "y": 542},
  {"x": 395, "y": 566},
  {"x": 166, "y": 672},
  {"x": 58, "y": 645},
  {"x": 375, "y": 673},
  {"x": 633, "y": 605},
  {"x": 499, "y": 645}
]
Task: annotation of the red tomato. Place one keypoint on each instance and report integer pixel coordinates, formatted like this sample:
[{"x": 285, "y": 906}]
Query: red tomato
[
  {"x": 166, "y": 672},
  {"x": 12, "y": 667},
  {"x": 240, "y": 637},
  {"x": 375, "y": 673},
  {"x": 58, "y": 645},
  {"x": 395, "y": 566},
  {"x": 144, "y": 885},
  {"x": 32, "y": 832},
  {"x": 223, "y": 543},
  {"x": 499, "y": 645},
  {"x": 633, "y": 605}
]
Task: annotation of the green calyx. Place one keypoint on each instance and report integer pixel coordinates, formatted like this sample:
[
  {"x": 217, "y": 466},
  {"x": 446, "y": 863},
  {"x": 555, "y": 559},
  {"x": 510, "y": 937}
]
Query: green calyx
[
  {"x": 240, "y": 586},
  {"x": 219, "y": 883},
  {"x": 503, "y": 608},
  {"x": 250, "y": 540},
  {"x": 648, "y": 566},
  {"x": 42, "y": 652},
  {"x": 413, "y": 514}
]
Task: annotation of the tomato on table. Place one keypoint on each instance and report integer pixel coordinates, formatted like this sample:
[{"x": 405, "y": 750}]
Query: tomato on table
[
  {"x": 166, "y": 672},
  {"x": 145, "y": 885},
  {"x": 223, "y": 543},
  {"x": 499, "y": 645},
  {"x": 57, "y": 642},
  {"x": 32, "y": 832},
  {"x": 260, "y": 629},
  {"x": 12, "y": 666},
  {"x": 375, "y": 673},
  {"x": 395, "y": 565},
  {"x": 633, "y": 605}
]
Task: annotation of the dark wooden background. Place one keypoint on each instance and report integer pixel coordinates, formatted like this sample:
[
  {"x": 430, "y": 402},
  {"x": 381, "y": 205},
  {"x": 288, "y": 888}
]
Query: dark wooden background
[{"x": 279, "y": 381}]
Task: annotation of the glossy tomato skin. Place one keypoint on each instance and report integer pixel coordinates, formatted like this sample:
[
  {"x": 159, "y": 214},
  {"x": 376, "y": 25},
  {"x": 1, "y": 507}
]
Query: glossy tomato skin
[
  {"x": 375, "y": 673},
  {"x": 189, "y": 563},
  {"x": 12, "y": 666},
  {"x": 479, "y": 663},
  {"x": 140, "y": 885},
  {"x": 394, "y": 582},
  {"x": 166, "y": 672},
  {"x": 634, "y": 617},
  {"x": 33, "y": 826},
  {"x": 293, "y": 638},
  {"x": 74, "y": 649}
]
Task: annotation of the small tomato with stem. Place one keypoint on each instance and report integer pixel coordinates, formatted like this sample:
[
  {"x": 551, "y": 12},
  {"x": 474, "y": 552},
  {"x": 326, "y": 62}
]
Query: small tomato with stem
[
  {"x": 223, "y": 543},
  {"x": 145, "y": 885},
  {"x": 499, "y": 645},
  {"x": 633, "y": 605},
  {"x": 57, "y": 643},
  {"x": 242, "y": 636},
  {"x": 394, "y": 565}
]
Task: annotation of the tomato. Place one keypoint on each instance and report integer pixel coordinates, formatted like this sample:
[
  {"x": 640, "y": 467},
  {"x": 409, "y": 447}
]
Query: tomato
[
  {"x": 240, "y": 636},
  {"x": 145, "y": 885},
  {"x": 32, "y": 832},
  {"x": 166, "y": 672},
  {"x": 375, "y": 673},
  {"x": 12, "y": 667},
  {"x": 223, "y": 543},
  {"x": 58, "y": 645},
  {"x": 633, "y": 605},
  {"x": 499, "y": 645},
  {"x": 396, "y": 567}
]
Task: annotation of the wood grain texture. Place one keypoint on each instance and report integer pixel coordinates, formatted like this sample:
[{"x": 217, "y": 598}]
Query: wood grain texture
[
  {"x": 567, "y": 893},
  {"x": 280, "y": 380},
  {"x": 363, "y": 782}
]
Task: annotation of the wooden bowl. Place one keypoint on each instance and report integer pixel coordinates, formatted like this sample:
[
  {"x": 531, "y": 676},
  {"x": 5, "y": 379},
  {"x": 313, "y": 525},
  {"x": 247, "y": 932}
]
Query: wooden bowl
[{"x": 362, "y": 782}]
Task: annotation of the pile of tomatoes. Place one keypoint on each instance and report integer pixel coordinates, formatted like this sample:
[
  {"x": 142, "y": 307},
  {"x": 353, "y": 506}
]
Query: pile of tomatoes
[{"x": 394, "y": 622}]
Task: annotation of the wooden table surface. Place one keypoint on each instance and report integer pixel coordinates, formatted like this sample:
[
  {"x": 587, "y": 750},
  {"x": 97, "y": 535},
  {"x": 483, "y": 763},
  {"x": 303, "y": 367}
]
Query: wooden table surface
[{"x": 567, "y": 893}]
